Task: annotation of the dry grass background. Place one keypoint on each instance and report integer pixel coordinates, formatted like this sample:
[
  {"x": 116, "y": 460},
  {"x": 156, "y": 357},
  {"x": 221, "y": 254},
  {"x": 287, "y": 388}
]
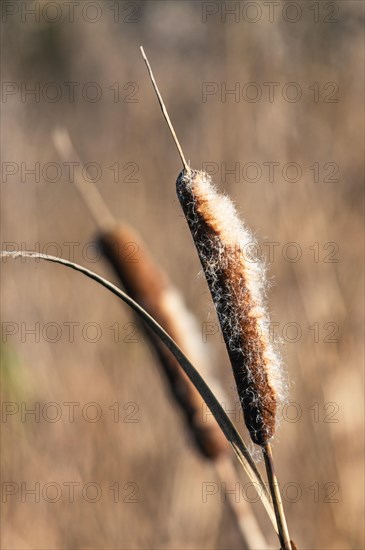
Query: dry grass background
[{"x": 155, "y": 453}]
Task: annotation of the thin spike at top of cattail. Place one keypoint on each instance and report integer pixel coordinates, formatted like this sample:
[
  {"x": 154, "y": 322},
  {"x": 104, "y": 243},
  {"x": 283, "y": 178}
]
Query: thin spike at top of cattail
[{"x": 164, "y": 111}]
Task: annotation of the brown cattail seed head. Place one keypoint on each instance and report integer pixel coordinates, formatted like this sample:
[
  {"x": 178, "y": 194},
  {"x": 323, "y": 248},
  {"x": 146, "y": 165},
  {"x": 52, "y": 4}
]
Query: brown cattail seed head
[
  {"x": 148, "y": 284},
  {"x": 236, "y": 285}
]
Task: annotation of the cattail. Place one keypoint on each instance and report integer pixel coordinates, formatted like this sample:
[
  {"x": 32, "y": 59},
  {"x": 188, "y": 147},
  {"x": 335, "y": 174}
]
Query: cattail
[
  {"x": 236, "y": 287},
  {"x": 148, "y": 284},
  {"x": 236, "y": 283}
]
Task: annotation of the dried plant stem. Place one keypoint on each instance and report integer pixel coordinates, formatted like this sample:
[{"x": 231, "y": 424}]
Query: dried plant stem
[
  {"x": 88, "y": 191},
  {"x": 249, "y": 529},
  {"x": 164, "y": 111},
  {"x": 215, "y": 407},
  {"x": 277, "y": 502}
]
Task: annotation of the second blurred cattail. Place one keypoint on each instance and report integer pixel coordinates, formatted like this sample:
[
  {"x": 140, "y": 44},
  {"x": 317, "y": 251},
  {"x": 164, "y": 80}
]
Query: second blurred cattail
[
  {"x": 148, "y": 284},
  {"x": 236, "y": 283}
]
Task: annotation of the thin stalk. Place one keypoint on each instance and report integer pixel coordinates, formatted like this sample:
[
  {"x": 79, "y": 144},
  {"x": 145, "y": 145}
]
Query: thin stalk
[
  {"x": 276, "y": 498},
  {"x": 89, "y": 193},
  {"x": 164, "y": 111},
  {"x": 251, "y": 534}
]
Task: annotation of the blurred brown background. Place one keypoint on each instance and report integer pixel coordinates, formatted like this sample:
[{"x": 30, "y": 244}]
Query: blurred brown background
[{"x": 317, "y": 301}]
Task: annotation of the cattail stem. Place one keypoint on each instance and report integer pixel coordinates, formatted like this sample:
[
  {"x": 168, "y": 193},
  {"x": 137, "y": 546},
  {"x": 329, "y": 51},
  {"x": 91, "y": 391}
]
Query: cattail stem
[
  {"x": 90, "y": 195},
  {"x": 251, "y": 534},
  {"x": 276, "y": 497},
  {"x": 164, "y": 111}
]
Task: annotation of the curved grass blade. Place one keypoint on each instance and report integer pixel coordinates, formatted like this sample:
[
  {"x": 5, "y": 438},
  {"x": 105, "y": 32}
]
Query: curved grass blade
[{"x": 218, "y": 412}]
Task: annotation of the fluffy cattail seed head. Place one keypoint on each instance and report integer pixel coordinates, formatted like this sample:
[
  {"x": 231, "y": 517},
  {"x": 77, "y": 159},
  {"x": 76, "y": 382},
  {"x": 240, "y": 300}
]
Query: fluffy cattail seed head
[{"x": 236, "y": 283}]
